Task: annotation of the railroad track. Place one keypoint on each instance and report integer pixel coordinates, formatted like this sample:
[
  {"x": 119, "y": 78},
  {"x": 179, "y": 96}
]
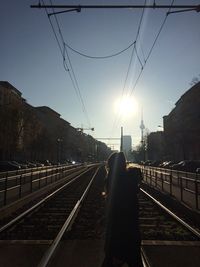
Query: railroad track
[
  {"x": 48, "y": 219},
  {"x": 61, "y": 218},
  {"x": 43, "y": 220},
  {"x": 159, "y": 223},
  {"x": 156, "y": 221}
]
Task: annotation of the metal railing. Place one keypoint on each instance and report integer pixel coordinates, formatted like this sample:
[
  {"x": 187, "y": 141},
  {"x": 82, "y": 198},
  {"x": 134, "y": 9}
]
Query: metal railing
[
  {"x": 15, "y": 185},
  {"x": 184, "y": 186}
]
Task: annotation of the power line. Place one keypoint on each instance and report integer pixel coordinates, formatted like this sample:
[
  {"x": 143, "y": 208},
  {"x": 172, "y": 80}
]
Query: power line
[
  {"x": 138, "y": 56},
  {"x": 117, "y": 118},
  {"x": 154, "y": 6},
  {"x": 65, "y": 65},
  {"x": 99, "y": 57},
  {"x": 152, "y": 47},
  {"x": 76, "y": 87},
  {"x": 139, "y": 27},
  {"x": 196, "y": 8}
]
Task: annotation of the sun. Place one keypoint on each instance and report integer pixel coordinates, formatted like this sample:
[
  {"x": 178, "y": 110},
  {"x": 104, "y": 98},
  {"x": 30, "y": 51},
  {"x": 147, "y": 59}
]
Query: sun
[{"x": 126, "y": 106}]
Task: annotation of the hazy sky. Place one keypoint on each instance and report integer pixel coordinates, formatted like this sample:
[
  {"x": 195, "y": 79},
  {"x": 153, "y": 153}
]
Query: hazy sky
[{"x": 31, "y": 61}]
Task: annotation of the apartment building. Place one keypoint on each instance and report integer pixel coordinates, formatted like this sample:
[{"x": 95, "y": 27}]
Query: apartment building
[{"x": 182, "y": 127}]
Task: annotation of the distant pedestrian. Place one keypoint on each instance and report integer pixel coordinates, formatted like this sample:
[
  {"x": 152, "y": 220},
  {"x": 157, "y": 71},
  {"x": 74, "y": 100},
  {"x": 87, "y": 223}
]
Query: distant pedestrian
[{"x": 122, "y": 240}]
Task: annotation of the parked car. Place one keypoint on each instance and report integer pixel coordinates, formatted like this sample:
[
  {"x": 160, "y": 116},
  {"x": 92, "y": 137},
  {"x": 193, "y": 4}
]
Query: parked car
[
  {"x": 148, "y": 162},
  {"x": 8, "y": 166},
  {"x": 46, "y": 162},
  {"x": 187, "y": 165},
  {"x": 198, "y": 170},
  {"x": 30, "y": 164},
  {"x": 155, "y": 163},
  {"x": 168, "y": 164},
  {"x": 39, "y": 164},
  {"x": 22, "y": 165}
]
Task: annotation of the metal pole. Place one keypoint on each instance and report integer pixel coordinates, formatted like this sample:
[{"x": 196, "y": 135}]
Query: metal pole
[
  {"x": 31, "y": 180},
  {"x": 5, "y": 189},
  {"x": 181, "y": 188},
  {"x": 196, "y": 192},
  {"x": 79, "y": 7},
  {"x": 121, "y": 147},
  {"x": 170, "y": 181},
  {"x": 20, "y": 186},
  {"x": 162, "y": 186}
]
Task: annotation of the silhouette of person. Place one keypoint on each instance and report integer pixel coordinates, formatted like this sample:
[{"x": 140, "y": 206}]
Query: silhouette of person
[{"x": 122, "y": 240}]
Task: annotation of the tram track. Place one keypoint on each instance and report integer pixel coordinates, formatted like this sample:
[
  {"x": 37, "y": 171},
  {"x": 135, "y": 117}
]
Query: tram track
[
  {"x": 16, "y": 209},
  {"x": 43, "y": 219},
  {"x": 157, "y": 223}
]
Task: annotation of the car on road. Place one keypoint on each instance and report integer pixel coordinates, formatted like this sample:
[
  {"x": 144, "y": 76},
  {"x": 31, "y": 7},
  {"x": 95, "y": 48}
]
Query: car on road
[
  {"x": 8, "y": 166},
  {"x": 22, "y": 165},
  {"x": 187, "y": 165},
  {"x": 167, "y": 164},
  {"x": 46, "y": 162}
]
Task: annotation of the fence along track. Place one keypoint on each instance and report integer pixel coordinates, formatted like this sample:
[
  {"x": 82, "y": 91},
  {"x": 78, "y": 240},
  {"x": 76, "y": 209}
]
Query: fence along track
[
  {"x": 21, "y": 184},
  {"x": 184, "y": 186}
]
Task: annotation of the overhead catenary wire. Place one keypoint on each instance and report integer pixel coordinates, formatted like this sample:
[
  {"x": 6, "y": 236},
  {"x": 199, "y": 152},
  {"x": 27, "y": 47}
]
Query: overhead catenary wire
[
  {"x": 151, "y": 49},
  {"x": 134, "y": 84},
  {"x": 117, "y": 118},
  {"x": 131, "y": 6},
  {"x": 67, "y": 66},
  {"x": 136, "y": 52},
  {"x": 76, "y": 87},
  {"x": 100, "y": 57}
]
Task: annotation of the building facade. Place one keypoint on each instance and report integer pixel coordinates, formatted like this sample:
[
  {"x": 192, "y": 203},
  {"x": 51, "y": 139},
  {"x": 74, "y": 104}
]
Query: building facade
[
  {"x": 182, "y": 127},
  {"x": 155, "y": 146},
  {"x": 11, "y": 120},
  {"x": 39, "y": 133}
]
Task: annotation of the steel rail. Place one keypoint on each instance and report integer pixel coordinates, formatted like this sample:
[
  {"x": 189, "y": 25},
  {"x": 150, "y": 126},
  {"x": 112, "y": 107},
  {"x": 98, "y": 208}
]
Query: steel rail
[
  {"x": 51, "y": 250},
  {"x": 19, "y": 217},
  {"x": 145, "y": 260},
  {"x": 191, "y": 229}
]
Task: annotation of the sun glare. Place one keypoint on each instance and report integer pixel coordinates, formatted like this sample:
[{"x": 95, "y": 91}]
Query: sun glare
[{"x": 126, "y": 106}]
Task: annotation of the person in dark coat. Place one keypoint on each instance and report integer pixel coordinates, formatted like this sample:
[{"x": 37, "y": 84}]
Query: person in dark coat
[{"x": 122, "y": 240}]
